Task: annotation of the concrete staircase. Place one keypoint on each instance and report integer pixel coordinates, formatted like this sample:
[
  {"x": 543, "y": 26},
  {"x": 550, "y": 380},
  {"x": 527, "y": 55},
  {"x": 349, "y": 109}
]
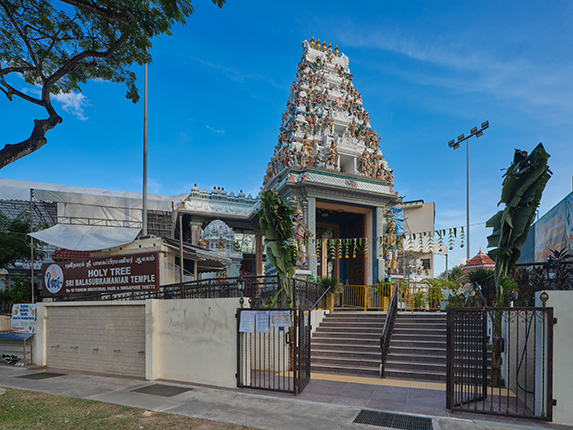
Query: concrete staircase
[
  {"x": 418, "y": 347},
  {"x": 348, "y": 343}
]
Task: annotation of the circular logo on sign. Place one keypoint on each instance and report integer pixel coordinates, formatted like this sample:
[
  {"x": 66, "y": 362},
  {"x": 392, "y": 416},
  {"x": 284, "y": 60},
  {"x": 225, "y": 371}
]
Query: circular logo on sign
[{"x": 54, "y": 278}]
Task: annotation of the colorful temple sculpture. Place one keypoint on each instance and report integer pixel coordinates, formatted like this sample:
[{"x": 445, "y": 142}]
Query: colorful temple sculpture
[{"x": 325, "y": 125}]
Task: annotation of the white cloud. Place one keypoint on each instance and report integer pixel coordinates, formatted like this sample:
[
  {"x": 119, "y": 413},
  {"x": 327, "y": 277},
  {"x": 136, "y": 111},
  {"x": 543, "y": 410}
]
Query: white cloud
[
  {"x": 237, "y": 75},
  {"x": 73, "y": 103},
  {"x": 214, "y": 130}
]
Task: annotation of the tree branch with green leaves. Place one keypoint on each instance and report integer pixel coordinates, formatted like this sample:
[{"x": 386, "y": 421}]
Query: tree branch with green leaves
[{"x": 56, "y": 46}]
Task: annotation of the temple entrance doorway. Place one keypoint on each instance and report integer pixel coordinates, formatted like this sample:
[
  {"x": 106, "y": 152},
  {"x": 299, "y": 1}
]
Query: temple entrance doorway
[{"x": 351, "y": 224}]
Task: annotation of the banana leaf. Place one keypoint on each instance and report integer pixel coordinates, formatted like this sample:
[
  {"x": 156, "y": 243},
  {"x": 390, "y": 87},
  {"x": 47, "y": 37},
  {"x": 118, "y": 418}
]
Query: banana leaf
[
  {"x": 522, "y": 188},
  {"x": 276, "y": 225}
]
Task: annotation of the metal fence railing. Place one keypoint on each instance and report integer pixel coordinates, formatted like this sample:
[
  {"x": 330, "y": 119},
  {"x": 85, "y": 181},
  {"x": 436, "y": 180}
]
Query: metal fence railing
[
  {"x": 273, "y": 349},
  {"x": 260, "y": 291},
  {"x": 500, "y": 361},
  {"x": 374, "y": 297}
]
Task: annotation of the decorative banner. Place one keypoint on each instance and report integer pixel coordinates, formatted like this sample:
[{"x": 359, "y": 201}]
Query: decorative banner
[
  {"x": 398, "y": 215},
  {"x": 137, "y": 272},
  {"x": 554, "y": 230},
  {"x": 23, "y": 318}
]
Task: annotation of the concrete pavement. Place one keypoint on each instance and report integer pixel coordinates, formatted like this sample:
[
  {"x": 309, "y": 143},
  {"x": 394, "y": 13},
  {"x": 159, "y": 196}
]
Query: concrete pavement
[{"x": 259, "y": 409}]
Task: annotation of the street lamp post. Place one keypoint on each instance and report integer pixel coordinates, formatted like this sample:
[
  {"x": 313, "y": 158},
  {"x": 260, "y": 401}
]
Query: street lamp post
[{"x": 456, "y": 144}]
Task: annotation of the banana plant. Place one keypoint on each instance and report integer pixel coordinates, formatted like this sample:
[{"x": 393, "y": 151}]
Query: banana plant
[
  {"x": 276, "y": 226},
  {"x": 524, "y": 182}
]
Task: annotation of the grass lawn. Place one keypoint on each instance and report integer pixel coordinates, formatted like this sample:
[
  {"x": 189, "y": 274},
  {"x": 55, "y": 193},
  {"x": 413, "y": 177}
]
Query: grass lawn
[{"x": 31, "y": 410}]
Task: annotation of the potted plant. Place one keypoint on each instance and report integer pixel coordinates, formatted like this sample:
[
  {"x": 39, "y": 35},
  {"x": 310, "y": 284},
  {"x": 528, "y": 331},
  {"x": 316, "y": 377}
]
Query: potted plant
[
  {"x": 383, "y": 291},
  {"x": 332, "y": 283}
]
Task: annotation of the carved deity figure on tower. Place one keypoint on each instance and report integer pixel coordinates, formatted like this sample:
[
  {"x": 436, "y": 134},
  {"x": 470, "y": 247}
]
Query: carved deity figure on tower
[
  {"x": 300, "y": 234},
  {"x": 332, "y": 158}
]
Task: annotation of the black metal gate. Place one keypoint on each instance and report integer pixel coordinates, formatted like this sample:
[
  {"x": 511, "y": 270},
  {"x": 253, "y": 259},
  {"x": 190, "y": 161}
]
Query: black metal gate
[
  {"x": 273, "y": 349},
  {"x": 500, "y": 361}
]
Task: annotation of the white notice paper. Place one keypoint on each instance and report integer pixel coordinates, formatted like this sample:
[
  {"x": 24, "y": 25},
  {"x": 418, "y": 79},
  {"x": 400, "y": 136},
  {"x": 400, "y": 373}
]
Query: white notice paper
[
  {"x": 262, "y": 322},
  {"x": 305, "y": 318},
  {"x": 247, "y": 324},
  {"x": 280, "y": 318}
]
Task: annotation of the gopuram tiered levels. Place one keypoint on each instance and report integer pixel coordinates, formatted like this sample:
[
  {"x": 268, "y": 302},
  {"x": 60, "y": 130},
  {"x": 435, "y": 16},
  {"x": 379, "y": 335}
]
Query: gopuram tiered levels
[{"x": 328, "y": 162}]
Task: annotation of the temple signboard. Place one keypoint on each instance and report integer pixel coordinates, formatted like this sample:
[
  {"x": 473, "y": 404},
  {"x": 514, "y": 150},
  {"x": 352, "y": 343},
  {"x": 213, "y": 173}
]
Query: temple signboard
[{"x": 138, "y": 272}]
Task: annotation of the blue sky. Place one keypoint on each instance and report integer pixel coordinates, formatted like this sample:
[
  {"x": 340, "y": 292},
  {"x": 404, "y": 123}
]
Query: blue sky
[{"x": 427, "y": 71}]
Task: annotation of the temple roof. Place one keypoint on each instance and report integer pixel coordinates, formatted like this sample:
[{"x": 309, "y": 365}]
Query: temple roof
[
  {"x": 480, "y": 261},
  {"x": 325, "y": 125}
]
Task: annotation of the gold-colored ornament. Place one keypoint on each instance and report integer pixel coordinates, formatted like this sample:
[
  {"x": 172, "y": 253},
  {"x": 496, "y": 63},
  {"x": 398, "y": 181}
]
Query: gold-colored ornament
[
  {"x": 312, "y": 42},
  {"x": 336, "y": 52},
  {"x": 323, "y": 46}
]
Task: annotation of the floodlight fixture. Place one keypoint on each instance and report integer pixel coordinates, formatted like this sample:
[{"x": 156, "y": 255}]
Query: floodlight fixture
[{"x": 455, "y": 145}]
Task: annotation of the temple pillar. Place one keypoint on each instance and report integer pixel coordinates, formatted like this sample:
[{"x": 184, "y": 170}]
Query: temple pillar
[
  {"x": 380, "y": 228},
  {"x": 259, "y": 263},
  {"x": 195, "y": 229},
  {"x": 310, "y": 220}
]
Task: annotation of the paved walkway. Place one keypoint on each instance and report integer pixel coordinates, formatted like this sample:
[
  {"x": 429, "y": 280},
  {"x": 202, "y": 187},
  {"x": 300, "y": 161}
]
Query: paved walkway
[{"x": 328, "y": 401}]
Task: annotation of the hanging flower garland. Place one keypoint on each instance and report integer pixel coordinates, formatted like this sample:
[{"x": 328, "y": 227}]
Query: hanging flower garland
[{"x": 424, "y": 242}]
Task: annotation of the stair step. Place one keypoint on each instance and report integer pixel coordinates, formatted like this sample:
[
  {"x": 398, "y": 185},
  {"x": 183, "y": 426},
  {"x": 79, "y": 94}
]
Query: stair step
[
  {"x": 417, "y": 358},
  {"x": 346, "y": 370},
  {"x": 414, "y": 343},
  {"x": 346, "y": 362},
  {"x": 350, "y": 329},
  {"x": 347, "y": 335},
  {"x": 353, "y": 355},
  {"x": 415, "y": 366},
  {"x": 373, "y": 324},
  {"x": 408, "y": 374},
  {"x": 374, "y": 349}
]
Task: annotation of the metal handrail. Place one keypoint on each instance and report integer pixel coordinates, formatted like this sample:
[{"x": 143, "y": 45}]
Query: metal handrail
[
  {"x": 320, "y": 298},
  {"x": 388, "y": 328}
]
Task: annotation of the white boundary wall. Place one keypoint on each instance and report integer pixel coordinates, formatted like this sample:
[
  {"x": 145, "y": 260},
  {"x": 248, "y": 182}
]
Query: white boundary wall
[
  {"x": 192, "y": 340},
  {"x": 562, "y": 304}
]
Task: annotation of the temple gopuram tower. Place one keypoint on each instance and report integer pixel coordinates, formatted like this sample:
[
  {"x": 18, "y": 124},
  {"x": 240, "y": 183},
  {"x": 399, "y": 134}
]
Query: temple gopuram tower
[{"x": 328, "y": 162}]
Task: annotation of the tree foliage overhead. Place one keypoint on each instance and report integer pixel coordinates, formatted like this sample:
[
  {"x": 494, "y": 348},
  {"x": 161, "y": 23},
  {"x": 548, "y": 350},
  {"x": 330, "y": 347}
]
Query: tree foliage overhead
[{"x": 56, "y": 46}]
